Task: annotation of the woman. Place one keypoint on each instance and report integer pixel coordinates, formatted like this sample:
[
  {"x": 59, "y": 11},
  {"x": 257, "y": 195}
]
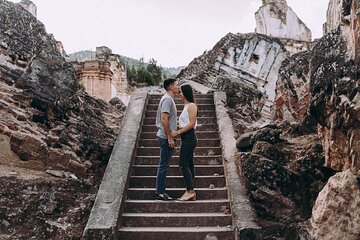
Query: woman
[{"x": 187, "y": 125}]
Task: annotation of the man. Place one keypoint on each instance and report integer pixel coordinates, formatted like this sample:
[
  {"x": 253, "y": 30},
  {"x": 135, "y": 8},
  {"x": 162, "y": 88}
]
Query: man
[{"x": 165, "y": 122}]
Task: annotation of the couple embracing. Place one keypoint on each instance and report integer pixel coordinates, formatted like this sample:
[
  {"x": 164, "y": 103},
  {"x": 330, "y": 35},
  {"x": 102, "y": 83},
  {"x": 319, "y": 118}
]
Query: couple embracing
[{"x": 166, "y": 122}]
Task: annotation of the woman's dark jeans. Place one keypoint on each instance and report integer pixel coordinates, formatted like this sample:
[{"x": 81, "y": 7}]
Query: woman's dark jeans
[{"x": 188, "y": 144}]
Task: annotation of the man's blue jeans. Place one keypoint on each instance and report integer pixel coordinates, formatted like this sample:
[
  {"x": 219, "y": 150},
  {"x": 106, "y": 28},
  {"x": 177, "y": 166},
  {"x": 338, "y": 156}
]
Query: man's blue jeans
[{"x": 165, "y": 158}]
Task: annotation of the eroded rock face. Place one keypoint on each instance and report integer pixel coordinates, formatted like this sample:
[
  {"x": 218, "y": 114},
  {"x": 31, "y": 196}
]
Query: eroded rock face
[
  {"x": 251, "y": 59},
  {"x": 276, "y": 19},
  {"x": 338, "y": 12},
  {"x": 335, "y": 101},
  {"x": 46, "y": 119},
  {"x": 283, "y": 177},
  {"x": 272, "y": 188},
  {"x": 356, "y": 30},
  {"x": 336, "y": 211},
  {"x": 244, "y": 101},
  {"x": 44, "y": 209},
  {"x": 246, "y": 141},
  {"x": 343, "y": 15},
  {"x": 292, "y": 88},
  {"x": 335, "y": 86}
]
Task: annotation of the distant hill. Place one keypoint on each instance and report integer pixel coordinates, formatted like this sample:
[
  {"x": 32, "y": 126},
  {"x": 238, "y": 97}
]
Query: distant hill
[
  {"x": 129, "y": 62},
  {"x": 168, "y": 71},
  {"x": 173, "y": 71}
]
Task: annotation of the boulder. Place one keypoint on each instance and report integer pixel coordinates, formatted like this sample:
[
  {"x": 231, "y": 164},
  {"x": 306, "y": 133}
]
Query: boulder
[
  {"x": 335, "y": 214},
  {"x": 269, "y": 151},
  {"x": 246, "y": 141},
  {"x": 276, "y": 193}
]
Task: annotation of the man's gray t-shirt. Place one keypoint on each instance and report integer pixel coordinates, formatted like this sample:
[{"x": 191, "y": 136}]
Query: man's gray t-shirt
[{"x": 167, "y": 105}]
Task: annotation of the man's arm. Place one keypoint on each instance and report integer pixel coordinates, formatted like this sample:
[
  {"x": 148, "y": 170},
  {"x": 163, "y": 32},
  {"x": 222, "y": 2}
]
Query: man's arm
[{"x": 165, "y": 122}]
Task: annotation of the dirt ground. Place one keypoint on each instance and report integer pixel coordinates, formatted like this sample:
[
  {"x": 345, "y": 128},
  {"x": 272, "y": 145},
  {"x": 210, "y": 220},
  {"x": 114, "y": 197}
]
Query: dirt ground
[{"x": 36, "y": 205}]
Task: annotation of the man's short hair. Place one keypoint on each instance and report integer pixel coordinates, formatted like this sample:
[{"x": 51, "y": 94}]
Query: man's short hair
[{"x": 168, "y": 82}]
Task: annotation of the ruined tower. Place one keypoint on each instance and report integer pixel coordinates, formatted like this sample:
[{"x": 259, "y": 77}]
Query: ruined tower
[{"x": 102, "y": 72}]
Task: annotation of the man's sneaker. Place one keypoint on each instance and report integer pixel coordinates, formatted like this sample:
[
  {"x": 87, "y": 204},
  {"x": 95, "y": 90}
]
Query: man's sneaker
[{"x": 163, "y": 197}]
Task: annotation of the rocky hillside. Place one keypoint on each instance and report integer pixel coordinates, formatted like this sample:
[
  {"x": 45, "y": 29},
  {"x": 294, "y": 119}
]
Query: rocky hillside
[
  {"x": 47, "y": 120},
  {"x": 48, "y": 124},
  {"x": 302, "y": 170}
]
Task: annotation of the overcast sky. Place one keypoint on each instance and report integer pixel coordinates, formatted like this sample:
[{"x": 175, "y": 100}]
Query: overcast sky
[{"x": 172, "y": 32}]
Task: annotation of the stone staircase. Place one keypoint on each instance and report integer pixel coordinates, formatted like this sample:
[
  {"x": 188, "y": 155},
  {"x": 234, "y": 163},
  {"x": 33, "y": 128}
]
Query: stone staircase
[{"x": 207, "y": 218}]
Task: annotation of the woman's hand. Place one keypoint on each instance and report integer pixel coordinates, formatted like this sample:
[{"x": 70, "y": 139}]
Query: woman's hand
[{"x": 174, "y": 133}]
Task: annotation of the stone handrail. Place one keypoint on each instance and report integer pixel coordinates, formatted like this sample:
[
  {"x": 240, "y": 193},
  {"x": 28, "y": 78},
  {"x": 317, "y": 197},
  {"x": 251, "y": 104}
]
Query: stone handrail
[
  {"x": 243, "y": 213},
  {"x": 104, "y": 216}
]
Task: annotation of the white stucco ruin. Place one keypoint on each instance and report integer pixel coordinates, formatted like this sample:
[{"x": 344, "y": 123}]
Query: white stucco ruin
[
  {"x": 258, "y": 62},
  {"x": 276, "y": 19},
  {"x": 29, "y": 6}
]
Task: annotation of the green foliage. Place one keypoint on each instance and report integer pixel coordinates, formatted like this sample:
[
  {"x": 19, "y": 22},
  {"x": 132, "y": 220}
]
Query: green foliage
[
  {"x": 158, "y": 73},
  {"x": 141, "y": 73}
]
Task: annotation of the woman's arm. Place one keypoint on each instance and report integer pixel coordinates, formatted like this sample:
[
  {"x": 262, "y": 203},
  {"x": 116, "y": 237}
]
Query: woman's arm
[{"x": 192, "y": 110}]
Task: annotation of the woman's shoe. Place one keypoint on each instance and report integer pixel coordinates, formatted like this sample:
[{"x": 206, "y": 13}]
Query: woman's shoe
[
  {"x": 183, "y": 196},
  {"x": 189, "y": 197}
]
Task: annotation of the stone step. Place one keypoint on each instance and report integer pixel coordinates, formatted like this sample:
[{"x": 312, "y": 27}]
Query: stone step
[
  {"x": 201, "y": 143},
  {"x": 175, "y": 219},
  {"x": 199, "y": 134},
  {"x": 200, "y": 120},
  {"x": 207, "y": 218},
  {"x": 178, "y": 233},
  {"x": 181, "y": 233},
  {"x": 174, "y": 170},
  {"x": 196, "y": 96},
  {"x": 177, "y": 181},
  {"x": 201, "y": 193},
  {"x": 199, "y": 151},
  {"x": 178, "y": 102},
  {"x": 154, "y": 206},
  {"x": 198, "y": 160},
  {"x": 201, "y": 113},
  {"x": 200, "y": 127},
  {"x": 266, "y": 115},
  {"x": 201, "y": 107}
]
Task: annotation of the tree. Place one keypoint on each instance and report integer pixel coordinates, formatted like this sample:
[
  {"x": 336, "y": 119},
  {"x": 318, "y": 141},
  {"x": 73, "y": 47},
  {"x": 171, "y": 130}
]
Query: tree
[
  {"x": 146, "y": 73},
  {"x": 156, "y": 71}
]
